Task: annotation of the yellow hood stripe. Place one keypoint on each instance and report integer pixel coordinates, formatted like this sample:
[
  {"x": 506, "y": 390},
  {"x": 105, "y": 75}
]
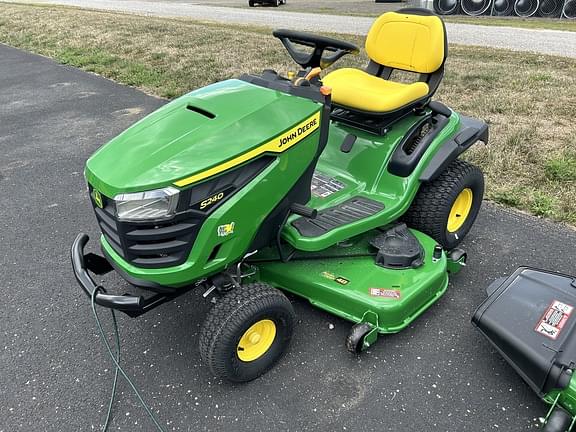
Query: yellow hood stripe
[{"x": 279, "y": 144}]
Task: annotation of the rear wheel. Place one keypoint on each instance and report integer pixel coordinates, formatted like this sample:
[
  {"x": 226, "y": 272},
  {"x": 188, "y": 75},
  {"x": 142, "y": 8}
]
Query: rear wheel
[
  {"x": 559, "y": 421},
  {"x": 251, "y": 3},
  {"x": 246, "y": 332},
  {"x": 446, "y": 208}
]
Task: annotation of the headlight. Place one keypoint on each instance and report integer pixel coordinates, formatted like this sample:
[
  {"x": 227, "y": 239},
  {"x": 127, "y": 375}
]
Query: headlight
[{"x": 153, "y": 204}]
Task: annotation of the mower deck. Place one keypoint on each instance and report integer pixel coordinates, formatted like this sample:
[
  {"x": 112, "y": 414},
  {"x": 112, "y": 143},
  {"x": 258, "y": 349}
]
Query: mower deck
[{"x": 345, "y": 281}]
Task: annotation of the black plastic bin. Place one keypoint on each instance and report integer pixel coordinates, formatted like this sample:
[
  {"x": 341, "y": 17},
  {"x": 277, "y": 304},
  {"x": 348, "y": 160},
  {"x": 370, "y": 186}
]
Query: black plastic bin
[{"x": 529, "y": 318}]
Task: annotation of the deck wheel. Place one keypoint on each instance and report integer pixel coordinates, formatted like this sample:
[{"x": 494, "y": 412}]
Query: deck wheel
[{"x": 355, "y": 339}]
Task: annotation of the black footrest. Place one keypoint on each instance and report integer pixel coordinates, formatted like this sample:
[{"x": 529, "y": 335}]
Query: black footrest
[{"x": 349, "y": 211}]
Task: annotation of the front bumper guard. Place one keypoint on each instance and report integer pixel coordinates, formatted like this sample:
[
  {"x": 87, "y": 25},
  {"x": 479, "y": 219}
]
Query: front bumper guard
[{"x": 131, "y": 305}]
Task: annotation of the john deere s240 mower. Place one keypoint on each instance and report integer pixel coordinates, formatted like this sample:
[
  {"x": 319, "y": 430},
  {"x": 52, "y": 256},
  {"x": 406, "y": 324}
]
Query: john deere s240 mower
[{"x": 345, "y": 190}]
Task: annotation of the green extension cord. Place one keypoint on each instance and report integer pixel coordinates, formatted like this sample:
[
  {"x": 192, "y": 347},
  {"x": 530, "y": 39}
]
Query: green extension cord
[{"x": 116, "y": 361}]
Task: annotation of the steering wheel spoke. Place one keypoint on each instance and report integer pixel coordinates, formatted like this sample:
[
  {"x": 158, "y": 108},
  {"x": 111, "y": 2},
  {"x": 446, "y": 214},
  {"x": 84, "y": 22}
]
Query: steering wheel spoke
[{"x": 325, "y": 51}]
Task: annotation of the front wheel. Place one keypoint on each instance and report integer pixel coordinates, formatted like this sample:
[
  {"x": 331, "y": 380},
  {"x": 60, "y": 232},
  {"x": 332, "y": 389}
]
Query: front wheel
[
  {"x": 446, "y": 208},
  {"x": 559, "y": 421},
  {"x": 246, "y": 332}
]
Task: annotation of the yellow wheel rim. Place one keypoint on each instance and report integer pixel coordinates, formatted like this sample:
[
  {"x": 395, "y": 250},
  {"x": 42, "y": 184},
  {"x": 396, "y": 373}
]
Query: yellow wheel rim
[
  {"x": 460, "y": 210},
  {"x": 256, "y": 340}
]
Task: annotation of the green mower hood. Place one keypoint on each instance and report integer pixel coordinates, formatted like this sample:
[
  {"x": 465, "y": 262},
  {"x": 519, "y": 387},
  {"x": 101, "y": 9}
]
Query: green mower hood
[{"x": 192, "y": 134}]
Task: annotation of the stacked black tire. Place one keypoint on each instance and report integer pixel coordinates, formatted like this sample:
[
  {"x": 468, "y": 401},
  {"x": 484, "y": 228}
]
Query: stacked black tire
[{"x": 522, "y": 8}]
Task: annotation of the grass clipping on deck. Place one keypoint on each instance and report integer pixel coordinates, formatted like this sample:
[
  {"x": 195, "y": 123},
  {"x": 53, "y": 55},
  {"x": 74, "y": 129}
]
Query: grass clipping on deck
[{"x": 529, "y": 100}]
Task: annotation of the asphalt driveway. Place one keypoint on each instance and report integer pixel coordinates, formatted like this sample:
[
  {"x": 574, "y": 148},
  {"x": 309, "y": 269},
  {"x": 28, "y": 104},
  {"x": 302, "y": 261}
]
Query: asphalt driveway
[{"x": 438, "y": 375}]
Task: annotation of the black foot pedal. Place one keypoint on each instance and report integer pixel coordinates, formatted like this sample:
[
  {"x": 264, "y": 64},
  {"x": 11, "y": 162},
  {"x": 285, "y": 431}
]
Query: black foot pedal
[
  {"x": 398, "y": 248},
  {"x": 326, "y": 220}
]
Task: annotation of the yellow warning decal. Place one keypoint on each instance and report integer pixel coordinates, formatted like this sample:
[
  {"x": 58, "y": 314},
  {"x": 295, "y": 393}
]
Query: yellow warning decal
[{"x": 279, "y": 144}]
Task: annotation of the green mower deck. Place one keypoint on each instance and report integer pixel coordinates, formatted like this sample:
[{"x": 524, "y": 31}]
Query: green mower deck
[{"x": 345, "y": 281}]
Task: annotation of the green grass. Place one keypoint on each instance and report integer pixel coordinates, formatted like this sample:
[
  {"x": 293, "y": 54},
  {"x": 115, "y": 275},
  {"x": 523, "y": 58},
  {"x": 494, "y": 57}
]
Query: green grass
[
  {"x": 529, "y": 100},
  {"x": 561, "y": 168}
]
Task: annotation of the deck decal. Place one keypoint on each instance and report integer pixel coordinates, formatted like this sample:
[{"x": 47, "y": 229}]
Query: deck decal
[
  {"x": 554, "y": 319},
  {"x": 339, "y": 279},
  {"x": 386, "y": 293}
]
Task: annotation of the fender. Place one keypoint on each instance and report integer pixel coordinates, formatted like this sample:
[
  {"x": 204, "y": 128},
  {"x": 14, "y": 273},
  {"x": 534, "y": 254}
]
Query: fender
[{"x": 471, "y": 131}]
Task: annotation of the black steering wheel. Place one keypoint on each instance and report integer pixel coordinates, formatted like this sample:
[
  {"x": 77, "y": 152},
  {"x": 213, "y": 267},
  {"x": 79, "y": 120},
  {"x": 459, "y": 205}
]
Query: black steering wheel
[{"x": 335, "y": 48}]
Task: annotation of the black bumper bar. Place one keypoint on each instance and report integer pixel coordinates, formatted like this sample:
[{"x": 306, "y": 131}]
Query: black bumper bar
[{"x": 129, "y": 304}]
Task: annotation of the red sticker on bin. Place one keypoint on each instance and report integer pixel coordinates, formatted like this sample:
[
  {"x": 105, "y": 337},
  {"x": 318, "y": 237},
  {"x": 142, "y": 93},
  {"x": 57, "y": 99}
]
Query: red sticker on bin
[
  {"x": 554, "y": 319},
  {"x": 388, "y": 293}
]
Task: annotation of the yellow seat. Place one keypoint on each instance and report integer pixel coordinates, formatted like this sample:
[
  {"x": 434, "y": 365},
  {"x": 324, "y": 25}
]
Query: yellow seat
[
  {"x": 410, "y": 40},
  {"x": 360, "y": 90}
]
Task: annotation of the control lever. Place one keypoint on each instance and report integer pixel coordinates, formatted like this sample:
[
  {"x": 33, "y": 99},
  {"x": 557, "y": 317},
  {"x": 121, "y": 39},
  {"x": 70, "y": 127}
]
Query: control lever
[
  {"x": 315, "y": 72},
  {"x": 303, "y": 210},
  {"x": 305, "y": 77}
]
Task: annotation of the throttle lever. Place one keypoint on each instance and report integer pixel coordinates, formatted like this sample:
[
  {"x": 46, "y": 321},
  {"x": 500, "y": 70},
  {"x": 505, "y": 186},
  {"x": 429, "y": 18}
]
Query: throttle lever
[{"x": 315, "y": 72}]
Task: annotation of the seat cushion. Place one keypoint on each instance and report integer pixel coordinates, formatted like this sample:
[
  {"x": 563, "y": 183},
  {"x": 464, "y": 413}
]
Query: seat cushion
[
  {"x": 357, "y": 89},
  {"x": 415, "y": 43}
]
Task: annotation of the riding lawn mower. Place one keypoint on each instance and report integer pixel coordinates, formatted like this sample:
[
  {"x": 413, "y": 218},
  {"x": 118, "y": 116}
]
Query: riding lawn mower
[{"x": 346, "y": 190}]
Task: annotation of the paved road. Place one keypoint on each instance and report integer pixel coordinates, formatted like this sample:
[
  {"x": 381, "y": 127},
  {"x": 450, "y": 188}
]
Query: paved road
[
  {"x": 555, "y": 42},
  {"x": 438, "y": 375}
]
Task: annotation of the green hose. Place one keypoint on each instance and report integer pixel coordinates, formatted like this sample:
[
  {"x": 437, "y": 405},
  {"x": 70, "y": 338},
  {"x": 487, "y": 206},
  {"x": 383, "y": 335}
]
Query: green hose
[{"x": 116, "y": 361}]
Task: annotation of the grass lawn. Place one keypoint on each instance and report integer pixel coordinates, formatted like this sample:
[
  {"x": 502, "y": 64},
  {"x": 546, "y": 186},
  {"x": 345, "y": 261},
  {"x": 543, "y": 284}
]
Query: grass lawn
[{"x": 528, "y": 99}]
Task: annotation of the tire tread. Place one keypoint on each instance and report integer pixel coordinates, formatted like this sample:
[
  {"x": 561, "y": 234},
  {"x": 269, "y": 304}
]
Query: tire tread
[
  {"x": 428, "y": 210},
  {"x": 230, "y": 312}
]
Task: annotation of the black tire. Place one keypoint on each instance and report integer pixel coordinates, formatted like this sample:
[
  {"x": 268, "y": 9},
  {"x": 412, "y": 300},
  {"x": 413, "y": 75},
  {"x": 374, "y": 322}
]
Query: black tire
[
  {"x": 276, "y": 3},
  {"x": 559, "y": 421},
  {"x": 251, "y": 3},
  {"x": 355, "y": 339},
  {"x": 446, "y": 7},
  {"x": 433, "y": 203},
  {"x": 230, "y": 319}
]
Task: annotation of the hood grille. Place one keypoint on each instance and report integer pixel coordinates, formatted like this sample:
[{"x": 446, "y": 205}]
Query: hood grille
[{"x": 168, "y": 242}]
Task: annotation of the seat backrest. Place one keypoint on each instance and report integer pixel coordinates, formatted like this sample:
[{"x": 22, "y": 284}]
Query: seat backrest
[{"x": 409, "y": 39}]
